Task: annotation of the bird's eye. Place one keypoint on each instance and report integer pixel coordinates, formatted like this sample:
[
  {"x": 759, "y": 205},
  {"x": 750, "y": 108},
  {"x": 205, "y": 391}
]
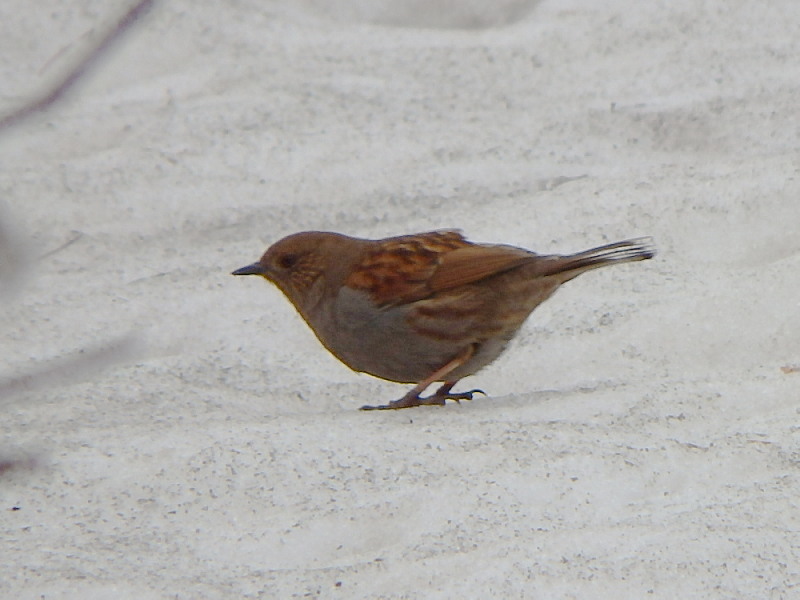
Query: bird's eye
[{"x": 287, "y": 261}]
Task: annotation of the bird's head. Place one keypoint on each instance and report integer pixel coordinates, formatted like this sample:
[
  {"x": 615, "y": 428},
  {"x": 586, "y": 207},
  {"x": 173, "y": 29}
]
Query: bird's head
[{"x": 300, "y": 260}]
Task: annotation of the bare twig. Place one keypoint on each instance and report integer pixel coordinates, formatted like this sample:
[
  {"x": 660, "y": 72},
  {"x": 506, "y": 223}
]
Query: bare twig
[
  {"x": 71, "y": 369},
  {"x": 11, "y": 463},
  {"x": 13, "y": 259},
  {"x": 76, "y": 236},
  {"x": 69, "y": 80}
]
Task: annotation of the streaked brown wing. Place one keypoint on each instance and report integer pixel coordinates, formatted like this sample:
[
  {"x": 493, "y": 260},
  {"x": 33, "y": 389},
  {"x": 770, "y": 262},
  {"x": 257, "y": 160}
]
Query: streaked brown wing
[
  {"x": 398, "y": 270},
  {"x": 412, "y": 267}
]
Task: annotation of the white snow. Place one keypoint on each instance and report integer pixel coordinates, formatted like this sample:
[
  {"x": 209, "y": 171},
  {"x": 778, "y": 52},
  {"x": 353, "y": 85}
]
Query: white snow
[{"x": 640, "y": 438}]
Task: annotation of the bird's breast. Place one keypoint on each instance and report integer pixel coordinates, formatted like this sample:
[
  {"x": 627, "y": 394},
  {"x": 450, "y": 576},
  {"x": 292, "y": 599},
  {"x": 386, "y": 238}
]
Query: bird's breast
[{"x": 379, "y": 341}]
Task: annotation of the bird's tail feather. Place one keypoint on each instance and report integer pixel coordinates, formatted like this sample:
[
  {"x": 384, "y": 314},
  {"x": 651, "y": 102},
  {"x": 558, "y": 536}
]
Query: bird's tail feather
[{"x": 619, "y": 252}]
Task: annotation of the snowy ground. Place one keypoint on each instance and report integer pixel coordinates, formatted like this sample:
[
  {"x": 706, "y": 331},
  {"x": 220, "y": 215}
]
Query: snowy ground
[{"x": 641, "y": 438}]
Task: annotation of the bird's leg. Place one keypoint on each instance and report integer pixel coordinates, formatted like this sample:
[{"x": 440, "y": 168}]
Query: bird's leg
[{"x": 413, "y": 398}]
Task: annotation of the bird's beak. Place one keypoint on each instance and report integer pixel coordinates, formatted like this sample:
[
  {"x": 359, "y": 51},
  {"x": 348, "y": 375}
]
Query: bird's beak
[{"x": 254, "y": 269}]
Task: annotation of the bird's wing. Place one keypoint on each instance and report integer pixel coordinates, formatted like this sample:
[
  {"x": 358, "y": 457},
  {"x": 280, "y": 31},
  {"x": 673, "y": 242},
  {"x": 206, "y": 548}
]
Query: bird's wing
[
  {"x": 473, "y": 263},
  {"x": 398, "y": 269},
  {"x": 409, "y": 268}
]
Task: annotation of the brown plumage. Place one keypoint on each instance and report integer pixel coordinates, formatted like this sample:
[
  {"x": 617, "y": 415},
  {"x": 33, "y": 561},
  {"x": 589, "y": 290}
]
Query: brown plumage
[{"x": 421, "y": 308}]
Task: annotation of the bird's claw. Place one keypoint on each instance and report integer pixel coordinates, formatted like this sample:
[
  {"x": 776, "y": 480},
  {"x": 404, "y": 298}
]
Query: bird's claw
[
  {"x": 461, "y": 395},
  {"x": 436, "y": 399}
]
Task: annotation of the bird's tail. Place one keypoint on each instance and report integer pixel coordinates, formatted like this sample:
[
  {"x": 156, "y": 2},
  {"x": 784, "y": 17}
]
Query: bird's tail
[{"x": 620, "y": 252}]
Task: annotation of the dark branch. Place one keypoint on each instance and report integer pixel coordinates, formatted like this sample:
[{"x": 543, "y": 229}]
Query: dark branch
[
  {"x": 72, "y": 368},
  {"x": 69, "y": 80}
]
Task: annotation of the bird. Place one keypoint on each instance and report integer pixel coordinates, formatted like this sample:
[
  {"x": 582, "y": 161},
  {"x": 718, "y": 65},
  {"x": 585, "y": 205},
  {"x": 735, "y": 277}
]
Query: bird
[{"x": 422, "y": 308}]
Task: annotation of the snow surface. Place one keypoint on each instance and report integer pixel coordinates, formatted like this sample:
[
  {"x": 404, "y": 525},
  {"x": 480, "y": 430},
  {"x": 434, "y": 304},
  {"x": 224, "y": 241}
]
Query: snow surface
[{"x": 641, "y": 438}]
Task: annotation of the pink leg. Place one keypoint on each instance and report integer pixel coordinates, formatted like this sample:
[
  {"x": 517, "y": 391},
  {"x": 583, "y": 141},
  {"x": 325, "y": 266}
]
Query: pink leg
[{"x": 413, "y": 398}]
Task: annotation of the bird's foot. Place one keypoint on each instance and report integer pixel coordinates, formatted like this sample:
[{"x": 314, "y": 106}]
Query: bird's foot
[
  {"x": 460, "y": 396},
  {"x": 439, "y": 398}
]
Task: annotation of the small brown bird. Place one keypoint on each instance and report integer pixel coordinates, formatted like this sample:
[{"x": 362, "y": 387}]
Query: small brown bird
[{"x": 422, "y": 308}]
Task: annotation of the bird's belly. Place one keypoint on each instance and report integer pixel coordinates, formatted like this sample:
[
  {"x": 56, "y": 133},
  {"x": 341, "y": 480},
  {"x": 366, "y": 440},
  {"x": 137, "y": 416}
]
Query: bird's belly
[{"x": 381, "y": 342}]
